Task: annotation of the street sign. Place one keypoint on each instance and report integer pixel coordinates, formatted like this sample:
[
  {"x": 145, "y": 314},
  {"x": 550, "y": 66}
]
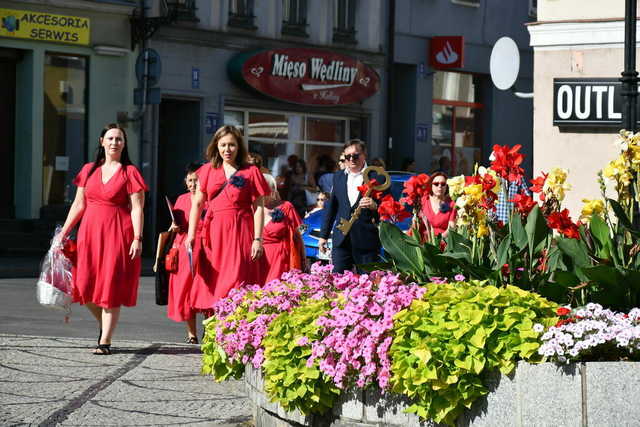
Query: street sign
[
  {"x": 154, "y": 68},
  {"x": 211, "y": 123},
  {"x": 195, "y": 78}
]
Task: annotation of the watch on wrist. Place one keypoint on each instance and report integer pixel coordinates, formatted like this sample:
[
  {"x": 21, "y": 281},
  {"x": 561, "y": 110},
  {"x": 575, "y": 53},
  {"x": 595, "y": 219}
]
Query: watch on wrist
[{"x": 259, "y": 239}]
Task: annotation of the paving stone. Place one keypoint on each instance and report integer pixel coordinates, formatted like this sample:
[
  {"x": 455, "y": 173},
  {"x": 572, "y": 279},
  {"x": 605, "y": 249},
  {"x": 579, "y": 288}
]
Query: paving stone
[
  {"x": 612, "y": 394},
  {"x": 58, "y": 381}
]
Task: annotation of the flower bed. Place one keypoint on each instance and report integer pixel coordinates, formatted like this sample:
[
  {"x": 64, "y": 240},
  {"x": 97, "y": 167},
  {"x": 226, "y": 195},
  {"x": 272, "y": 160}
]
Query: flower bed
[{"x": 315, "y": 335}]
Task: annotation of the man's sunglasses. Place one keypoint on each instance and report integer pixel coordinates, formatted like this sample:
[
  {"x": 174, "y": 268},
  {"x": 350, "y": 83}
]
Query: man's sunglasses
[{"x": 352, "y": 157}]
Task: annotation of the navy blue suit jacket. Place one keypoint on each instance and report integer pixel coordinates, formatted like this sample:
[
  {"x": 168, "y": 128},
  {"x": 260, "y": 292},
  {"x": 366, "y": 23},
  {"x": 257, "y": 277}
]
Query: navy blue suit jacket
[{"x": 364, "y": 232}]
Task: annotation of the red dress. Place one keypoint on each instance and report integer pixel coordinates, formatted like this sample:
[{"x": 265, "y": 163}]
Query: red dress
[
  {"x": 104, "y": 273},
  {"x": 278, "y": 241},
  {"x": 439, "y": 220},
  {"x": 179, "y": 307},
  {"x": 224, "y": 252}
]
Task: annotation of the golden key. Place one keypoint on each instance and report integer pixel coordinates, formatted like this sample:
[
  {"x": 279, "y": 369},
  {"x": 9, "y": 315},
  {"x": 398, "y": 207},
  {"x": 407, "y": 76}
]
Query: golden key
[{"x": 345, "y": 225}]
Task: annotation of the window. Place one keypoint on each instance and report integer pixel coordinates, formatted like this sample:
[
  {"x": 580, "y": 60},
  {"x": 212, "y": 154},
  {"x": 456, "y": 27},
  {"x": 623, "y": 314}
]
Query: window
[
  {"x": 533, "y": 9},
  {"x": 241, "y": 14},
  {"x": 183, "y": 10},
  {"x": 472, "y": 3},
  {"x": 456, "y": 137},
  {"x": 344, "y": 30},
  {"x": 294, "y": 17},
  {"x": 277, "y": 135}
]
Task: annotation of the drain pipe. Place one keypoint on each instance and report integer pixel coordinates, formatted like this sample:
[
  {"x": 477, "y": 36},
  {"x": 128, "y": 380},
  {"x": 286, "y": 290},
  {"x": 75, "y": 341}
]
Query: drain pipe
[{"x": 391, "y": 29}]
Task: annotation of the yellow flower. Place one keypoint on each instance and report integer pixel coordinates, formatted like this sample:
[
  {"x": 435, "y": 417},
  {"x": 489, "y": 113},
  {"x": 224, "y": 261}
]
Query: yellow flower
[
  {"x": 556, "y": 183},
  {"x": 474, "y": 191},
  {"x": 483, "y": 230},
  {"x": 590, "y": 208},
  {"x": 456, "y": 186}
]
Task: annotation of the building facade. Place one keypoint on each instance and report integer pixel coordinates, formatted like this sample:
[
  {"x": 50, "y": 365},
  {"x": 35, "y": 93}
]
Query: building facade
[
  {"x": 66, "y": 69},
  {"x": 578, "y": 59},
  {"x": 446, "y": 112},
  {"x": 284, "y": 102}
]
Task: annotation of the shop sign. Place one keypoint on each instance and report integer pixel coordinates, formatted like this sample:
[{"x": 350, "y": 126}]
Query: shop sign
[
  {"x": 42, "y": 26},
  {"x": 587, "y": 102},
  {"x": 446, "y": 52},
  {"x": 305, "y": 76}
]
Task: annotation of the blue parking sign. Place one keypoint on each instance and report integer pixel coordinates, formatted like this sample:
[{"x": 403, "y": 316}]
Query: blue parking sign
[{"x": 195, "y": 78}]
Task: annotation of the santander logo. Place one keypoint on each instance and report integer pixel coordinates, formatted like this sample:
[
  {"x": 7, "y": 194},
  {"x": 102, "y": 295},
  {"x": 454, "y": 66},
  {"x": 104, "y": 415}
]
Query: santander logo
[
  {"x": 446, "y": 52},
  {"x": 447, "y": 55}
]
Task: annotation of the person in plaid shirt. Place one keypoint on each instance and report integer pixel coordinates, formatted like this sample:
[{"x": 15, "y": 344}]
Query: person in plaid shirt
[{"x": 507, "y": 192}]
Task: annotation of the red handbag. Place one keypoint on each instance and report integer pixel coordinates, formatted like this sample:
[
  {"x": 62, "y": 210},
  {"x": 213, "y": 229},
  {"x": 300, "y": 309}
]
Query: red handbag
[{"x": 171, "y": 260}]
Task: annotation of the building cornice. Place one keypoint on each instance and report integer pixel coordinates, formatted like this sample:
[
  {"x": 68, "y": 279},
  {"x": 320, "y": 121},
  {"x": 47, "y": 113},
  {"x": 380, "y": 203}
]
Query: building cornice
[
  {"x": 226, "y": 40},
  {"x": 574, "y": 33}
]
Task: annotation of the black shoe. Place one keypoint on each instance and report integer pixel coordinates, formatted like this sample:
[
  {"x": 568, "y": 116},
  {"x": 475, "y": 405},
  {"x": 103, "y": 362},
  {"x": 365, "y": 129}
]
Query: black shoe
[
  {"x": 102, "y": 350},
  {"x": 192, "y": 340}
]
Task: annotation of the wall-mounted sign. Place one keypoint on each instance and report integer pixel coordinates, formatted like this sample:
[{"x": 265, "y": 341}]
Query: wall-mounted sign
[
  {"x": 211, "y": 123},
  {"x": 587, "y": 102},
  {"x": 422, "y": 132},
  {"x": 28, "y": 24},
  {"x": 446, "y": 52},
  {"x": 195, "y": 78},
  {"x": 305, "y": 76}
]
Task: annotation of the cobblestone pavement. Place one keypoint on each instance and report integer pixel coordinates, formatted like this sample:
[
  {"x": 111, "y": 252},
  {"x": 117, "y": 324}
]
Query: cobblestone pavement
[{"x": 58, "y": 381}]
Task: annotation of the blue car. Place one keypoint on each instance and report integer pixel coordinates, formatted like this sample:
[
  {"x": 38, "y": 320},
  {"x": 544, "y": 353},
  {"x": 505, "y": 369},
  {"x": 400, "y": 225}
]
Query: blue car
[{"x": 312, "y": 224}]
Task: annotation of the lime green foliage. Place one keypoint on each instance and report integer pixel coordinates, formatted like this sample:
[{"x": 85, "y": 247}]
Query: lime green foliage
[
  {"x": 215, "y": 361},
  {"x": 287, "y": 378},
  {"x": 445, "y": 342}
]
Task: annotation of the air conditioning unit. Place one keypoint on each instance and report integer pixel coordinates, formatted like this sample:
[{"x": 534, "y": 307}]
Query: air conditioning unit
[{"x": 533, "y": 9}]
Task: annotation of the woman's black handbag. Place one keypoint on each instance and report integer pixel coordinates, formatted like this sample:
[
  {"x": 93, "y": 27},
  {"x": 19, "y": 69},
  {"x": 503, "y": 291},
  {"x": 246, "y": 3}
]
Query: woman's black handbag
[{"x": 165, "y": 242}]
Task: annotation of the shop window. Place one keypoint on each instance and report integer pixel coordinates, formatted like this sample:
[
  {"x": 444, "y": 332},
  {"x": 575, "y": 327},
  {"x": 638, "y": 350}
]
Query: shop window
[
  {"x": 344, "y": 30},
  {"x": 65, "y": 125},
  {"x": 326, "y": 130},
  {"x": 294, "y": 18},
  {"x": 274, "y": 126},
  {"x": 241, "y": 14},
  {"x": 456, "y": 139}
]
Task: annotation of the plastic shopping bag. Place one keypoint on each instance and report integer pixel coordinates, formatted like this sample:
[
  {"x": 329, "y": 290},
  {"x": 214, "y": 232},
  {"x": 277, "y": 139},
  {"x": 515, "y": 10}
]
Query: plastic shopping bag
[{"x": 55, "y": 286}]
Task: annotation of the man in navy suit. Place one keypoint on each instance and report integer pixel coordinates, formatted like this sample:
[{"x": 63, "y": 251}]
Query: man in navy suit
[{"x": 362, "y": 244}]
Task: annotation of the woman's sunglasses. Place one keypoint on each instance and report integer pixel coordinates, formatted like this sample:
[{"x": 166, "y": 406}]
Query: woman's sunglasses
[{"x": 439, "y": 184}]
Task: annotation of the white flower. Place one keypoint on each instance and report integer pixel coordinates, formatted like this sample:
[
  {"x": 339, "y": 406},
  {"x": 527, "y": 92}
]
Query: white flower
[{"x": 538, "y": 328}]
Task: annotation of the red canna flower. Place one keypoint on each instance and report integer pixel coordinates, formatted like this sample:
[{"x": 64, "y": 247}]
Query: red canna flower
[
  {"x": 562, "y": 311},
  {"x": 392, "y": 211},
  {"x": 561, "y": 221},
  {"x": 415, "y": 188},
  {"x": 523, "y": 203},
  {"x": 374, "y": 194},
  {"x": 507, "y": 162},
  {"x": 538, "y": 184},
  {"x": 505, "y": 270}
]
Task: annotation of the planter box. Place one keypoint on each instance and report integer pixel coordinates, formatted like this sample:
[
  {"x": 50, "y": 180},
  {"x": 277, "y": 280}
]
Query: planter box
[{"x": 593, "y": 394}]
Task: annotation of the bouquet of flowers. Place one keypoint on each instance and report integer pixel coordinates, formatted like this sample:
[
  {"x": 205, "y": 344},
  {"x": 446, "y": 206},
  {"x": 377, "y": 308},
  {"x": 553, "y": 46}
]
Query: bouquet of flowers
[{"x": 54, "y": 287}]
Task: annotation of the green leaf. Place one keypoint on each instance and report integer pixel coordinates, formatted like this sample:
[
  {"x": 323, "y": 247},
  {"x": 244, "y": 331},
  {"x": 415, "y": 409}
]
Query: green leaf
[
  {"x": 407, "y": 257},
  {"x": 623, "y": 219},
  {"x": 518, "y": 233},
  {"x": 536, "y": 229},
  {"x": 600, "y": 231},
  {"x": 576, "y": 250},
  {"x": 504, "y": 252}
]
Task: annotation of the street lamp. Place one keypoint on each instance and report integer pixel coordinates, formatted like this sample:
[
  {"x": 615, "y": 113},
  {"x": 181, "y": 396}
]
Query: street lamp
[{"x": 629, "y": 78}]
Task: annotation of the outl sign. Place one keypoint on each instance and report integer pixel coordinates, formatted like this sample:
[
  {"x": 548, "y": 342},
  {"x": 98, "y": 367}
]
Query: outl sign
[{"x": 305, "y": 76}]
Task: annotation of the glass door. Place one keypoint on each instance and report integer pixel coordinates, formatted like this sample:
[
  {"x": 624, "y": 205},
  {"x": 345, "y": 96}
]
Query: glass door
[{"x": 65, "y": 125}]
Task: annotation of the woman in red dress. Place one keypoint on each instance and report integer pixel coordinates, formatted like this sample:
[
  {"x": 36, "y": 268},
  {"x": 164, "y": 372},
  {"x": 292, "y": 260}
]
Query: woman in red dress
[
  {"x": 179, "y": 306},
  {"x": 438, "y": 210},
  {"x": 109, "y": 200},
  {"x": 283, "y": 248},
  {"x": 227, "y": 255}
]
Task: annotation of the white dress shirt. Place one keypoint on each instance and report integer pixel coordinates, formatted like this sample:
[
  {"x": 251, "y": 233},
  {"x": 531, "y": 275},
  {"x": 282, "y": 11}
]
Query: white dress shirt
[{"x": 354, "y": 180}]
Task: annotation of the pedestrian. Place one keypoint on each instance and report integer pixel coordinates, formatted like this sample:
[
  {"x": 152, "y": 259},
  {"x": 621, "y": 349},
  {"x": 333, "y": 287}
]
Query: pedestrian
[
  {"x": 438, "y": 211},
  {"x": 110, "y": 202},
  {"x": 362, "y": 244},
  {"x": 379, "y": 161},
  {"x": 297, "y": 193},
  {"x": 231, "y": 240},
  {"x": 179, "y": 307},
  {"x": 320, "y": 203},
  {"x": 283, "y": 247}
]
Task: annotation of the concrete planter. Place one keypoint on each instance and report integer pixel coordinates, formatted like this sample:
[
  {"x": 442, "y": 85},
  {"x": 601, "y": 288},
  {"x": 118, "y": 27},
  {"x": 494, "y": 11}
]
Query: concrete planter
[{"x": 593, "y": 394}]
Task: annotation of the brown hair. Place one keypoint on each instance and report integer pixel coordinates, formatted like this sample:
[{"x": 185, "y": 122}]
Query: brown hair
[
  {"x": 100, "y": 153},
  {"x": 360, "y": 143},
  {"x": 434, "y": 176},
  {"x": 213, "y": 154}
]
